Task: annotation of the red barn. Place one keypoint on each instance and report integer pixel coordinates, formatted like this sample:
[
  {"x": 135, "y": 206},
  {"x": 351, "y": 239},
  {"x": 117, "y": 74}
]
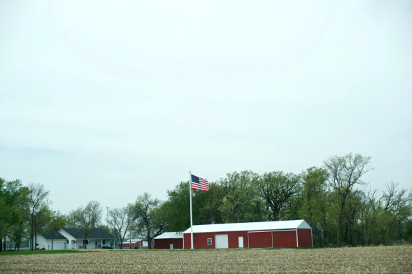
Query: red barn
[
  {"x": 169, "y": 240},
  {"x": 134, "y": 243},
  {"x": 296, "y": 233}
]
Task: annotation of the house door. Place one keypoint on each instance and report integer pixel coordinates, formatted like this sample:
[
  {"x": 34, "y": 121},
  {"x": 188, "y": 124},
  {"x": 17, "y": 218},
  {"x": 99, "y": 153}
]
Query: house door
[
  {"x": 171, "y": 246},
  {"x": 240, "y": 240},
  {"x": 221, "y": 241}
]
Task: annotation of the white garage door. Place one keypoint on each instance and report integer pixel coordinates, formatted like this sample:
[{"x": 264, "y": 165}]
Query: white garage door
[
  {"x": 57, "y": 245},
  {"x": 221, "y": 241}
]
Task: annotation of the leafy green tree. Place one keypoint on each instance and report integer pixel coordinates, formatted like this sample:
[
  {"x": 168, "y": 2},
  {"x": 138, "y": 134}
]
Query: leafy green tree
[
  {"x": 315, "y": 200},
  {"x": 241, "y": 201},
  {"x": 56, "y": 222},
  {"x": 5, "y": 213},
  {"x": 176, "y": 208},
  {"x": 35, "y": 202},
  {"x": 345, "y": 173},
  {"x": 207, "y": 205},
  {"x": 352, "y": 216},
  {"x": 278, "y": 190},
  {"x": 397, "y": 210},
  {"x": 11, "y": 212}
]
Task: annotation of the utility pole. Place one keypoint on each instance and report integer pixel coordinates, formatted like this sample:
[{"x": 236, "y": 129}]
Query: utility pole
[{"x": 107, "y": 215}]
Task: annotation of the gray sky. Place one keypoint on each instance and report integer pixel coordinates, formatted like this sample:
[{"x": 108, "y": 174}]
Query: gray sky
[{"x": 105, "y": 100}]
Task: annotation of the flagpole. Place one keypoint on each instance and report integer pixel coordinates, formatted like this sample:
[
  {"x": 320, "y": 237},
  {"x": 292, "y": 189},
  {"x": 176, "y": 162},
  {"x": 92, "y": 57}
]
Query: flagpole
[{"x": 191, "y": 219}]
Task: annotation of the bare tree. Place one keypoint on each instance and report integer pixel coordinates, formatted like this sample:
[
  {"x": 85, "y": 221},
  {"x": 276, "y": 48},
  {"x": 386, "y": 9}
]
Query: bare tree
[
  {"x": 345, "y": 172},
  {"x": 87, "y": 218},
  {"x": 146, "y": 213},
  {"x": 119, "y": 221},
  {"x": 397, "y": 208}
]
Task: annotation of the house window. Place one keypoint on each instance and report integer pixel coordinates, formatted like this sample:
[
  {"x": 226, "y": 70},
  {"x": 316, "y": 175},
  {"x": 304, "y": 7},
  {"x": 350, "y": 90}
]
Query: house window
[
  {"x": 104, "y": 241},
  {"x": 67, "y": 241},
  {"x": 209, "y": 241}
]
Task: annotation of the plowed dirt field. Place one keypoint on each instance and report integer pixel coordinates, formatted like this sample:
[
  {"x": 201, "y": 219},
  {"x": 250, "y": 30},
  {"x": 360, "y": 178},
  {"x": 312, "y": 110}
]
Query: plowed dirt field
[{"x": 389, "y": 259}]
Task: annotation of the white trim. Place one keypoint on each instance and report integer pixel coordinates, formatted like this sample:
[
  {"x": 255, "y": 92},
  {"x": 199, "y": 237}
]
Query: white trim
[
  {"x": 272, "y": 238},
  {"x": 253, "y": 226},
  {"x": 269, "y": 230},
  {"x": 297, "y": 238},
  {"x": 169, "y": 235},
  {"x": 311, "y": 236}
]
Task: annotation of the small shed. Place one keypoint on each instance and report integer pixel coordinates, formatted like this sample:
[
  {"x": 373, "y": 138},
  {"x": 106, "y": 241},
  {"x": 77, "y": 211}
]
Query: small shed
[
  {"x": 134, "y": 244},
  {"x": 274, "y": 234},
  {"x": 169, "y": 240}
]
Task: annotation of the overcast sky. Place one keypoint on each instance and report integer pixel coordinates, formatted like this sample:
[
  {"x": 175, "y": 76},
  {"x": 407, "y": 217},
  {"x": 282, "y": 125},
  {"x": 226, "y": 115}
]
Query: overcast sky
[{"x": 106, "y": 100}]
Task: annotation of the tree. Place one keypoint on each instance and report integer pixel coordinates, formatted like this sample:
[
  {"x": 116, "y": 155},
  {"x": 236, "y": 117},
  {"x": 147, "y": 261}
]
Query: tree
[
  {"x": 34, "y": 203},
  {"x": 57, "y": 221},
  {"x": 88, "y": 217},
  {"x": 176, "y": 208},
  {"x": 278, "y": 190},
  {"x": 314, "y": 207},
  {"x": 119, "y": 221},
  {"x": 345, "y": 172},
  {"x": 241, "y": 201},
  {"x": 205, "y": 206},
  {"x": 148, "y": 216},
  {"x": 397, "y": 209}
]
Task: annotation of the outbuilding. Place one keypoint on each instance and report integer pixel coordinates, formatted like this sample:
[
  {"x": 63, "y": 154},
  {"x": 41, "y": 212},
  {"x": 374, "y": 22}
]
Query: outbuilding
[
  {"x": 134, "y": 244},
  {"x": 274, "y": 234},
  {"x": 169, "y": 240}
]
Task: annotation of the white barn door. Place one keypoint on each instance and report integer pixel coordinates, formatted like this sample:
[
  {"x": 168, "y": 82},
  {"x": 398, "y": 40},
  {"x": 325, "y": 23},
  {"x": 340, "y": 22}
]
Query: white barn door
[
  {"x": 240, "y": 240},
  {"x": 222, "y": 241}
]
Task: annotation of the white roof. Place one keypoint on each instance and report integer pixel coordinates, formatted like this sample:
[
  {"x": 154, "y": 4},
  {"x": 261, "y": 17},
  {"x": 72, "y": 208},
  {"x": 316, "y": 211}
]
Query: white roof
[
  {"x": 170, "y": 235},
  {"x": 255, "y": 226},
  {"x": 127, "y": 241}
]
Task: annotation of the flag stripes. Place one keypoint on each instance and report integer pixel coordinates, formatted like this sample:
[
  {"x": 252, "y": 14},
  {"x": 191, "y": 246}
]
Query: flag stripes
[{"x": 199, "y": 183}]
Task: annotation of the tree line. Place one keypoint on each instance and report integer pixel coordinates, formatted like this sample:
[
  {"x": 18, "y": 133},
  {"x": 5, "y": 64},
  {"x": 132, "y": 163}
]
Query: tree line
[{"x": 330, "y": 198}]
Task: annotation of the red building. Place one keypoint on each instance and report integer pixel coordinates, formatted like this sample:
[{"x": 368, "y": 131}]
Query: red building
[
  {"x": 296, "y": 233},
  {"x": 169, "y": 240},
  {"x": 134, "y": 244}
]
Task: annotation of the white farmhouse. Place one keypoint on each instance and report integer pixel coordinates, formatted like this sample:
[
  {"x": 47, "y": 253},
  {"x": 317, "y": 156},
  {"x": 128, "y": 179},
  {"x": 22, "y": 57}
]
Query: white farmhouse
[{"x": 73, "y": 238}]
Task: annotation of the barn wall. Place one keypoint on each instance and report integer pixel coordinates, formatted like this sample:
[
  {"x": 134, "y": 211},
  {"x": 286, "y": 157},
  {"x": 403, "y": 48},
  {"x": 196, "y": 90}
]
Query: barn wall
[
  {"x": 260, "y": 239},
  {"x": 264, "y": 239},
  {"x": 133, "y": 245},
  {"x": 165, "y": 243},
  {"x": 305, "y": 237},
  {"x": 200, "y": 239},
  {"x": 284, "y": 239}
]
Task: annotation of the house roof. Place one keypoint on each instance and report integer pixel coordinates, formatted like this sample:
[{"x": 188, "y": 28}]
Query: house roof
[
  {"x": 56, "y": 236},
  {"x": 95, "y": 233},
  {"x": 255, "y": 226},
  {"x": 170, "y": 235}
]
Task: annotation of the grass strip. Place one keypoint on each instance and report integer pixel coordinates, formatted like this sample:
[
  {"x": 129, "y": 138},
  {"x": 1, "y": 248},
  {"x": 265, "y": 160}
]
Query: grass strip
[{"x": 43, "y": 252}]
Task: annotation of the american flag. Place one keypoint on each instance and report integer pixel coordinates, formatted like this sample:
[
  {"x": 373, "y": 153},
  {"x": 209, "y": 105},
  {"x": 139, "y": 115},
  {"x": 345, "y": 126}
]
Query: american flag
[{"x": 199, "y": 183}]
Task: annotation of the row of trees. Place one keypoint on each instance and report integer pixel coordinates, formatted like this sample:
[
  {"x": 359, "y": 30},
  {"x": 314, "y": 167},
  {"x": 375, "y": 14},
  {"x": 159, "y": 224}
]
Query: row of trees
[
  {"x": 330, "y": 198},
  {"x": 24, "y": 212}
]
